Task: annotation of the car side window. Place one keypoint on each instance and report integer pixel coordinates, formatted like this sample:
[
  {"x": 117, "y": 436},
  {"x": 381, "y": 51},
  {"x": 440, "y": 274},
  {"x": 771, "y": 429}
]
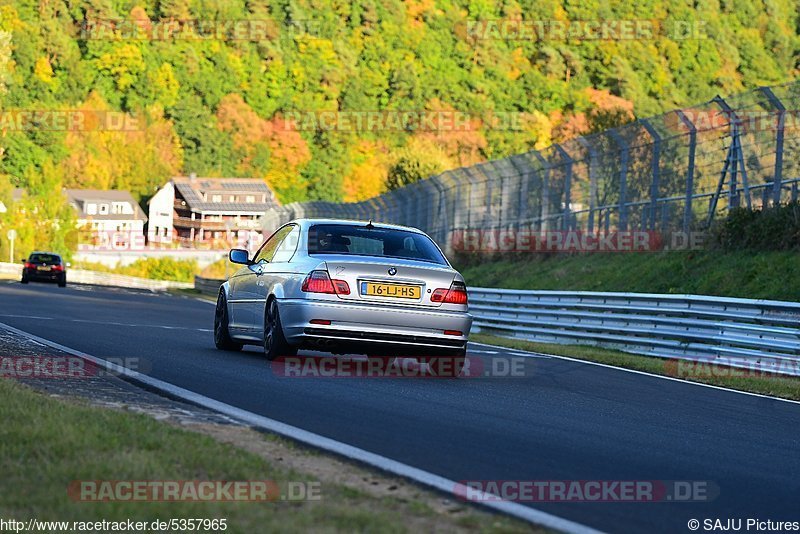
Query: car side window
[
  {"x": 268, "y": 249},
  {"x": 287, "y": 247}
]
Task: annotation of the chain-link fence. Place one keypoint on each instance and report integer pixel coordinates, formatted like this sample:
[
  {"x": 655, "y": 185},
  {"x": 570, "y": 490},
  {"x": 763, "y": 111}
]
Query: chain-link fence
[{"x": 671, "y": 172}]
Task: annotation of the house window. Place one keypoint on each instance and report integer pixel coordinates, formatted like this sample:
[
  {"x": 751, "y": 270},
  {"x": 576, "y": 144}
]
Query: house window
[
  {"x": 103, "y": 209},
  {"x": 120, "y": 208},
  {"x": 216, "y": 198},
  {"x": 250, "y": 199},
  {"x": 91, "y": 209}
]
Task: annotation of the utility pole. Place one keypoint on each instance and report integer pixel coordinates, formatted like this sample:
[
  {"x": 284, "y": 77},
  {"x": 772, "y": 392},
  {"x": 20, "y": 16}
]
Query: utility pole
[{"x": 12, "y": 235}]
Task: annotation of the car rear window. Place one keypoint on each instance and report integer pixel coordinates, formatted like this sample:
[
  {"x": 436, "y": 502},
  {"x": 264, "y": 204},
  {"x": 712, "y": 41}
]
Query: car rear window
[
  {"x": 364, "y": 241},
  {"x": 44, "y": 258}
]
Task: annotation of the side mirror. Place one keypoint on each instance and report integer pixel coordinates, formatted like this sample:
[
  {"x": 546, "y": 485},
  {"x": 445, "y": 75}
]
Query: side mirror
[
  {"x": 239, "y": 255},
  {"x": 23, "y": 260}
]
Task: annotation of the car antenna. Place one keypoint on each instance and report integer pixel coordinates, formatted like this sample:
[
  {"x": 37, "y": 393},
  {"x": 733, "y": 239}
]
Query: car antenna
[{"x": 370, "y": 226}]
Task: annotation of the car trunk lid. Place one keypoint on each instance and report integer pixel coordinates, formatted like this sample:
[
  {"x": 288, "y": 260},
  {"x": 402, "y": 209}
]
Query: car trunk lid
[{"x": 390, "y": 280}]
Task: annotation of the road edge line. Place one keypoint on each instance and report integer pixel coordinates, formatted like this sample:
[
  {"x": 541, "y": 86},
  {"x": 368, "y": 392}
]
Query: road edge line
[
  {"x": 383, "y": 463},
  {"x": 636, "y": 371}
]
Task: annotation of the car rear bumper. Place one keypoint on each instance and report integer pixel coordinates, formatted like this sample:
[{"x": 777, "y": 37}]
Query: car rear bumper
[
  {"x": 357, "y": 327},
  {"x": 44, "y": 276}
]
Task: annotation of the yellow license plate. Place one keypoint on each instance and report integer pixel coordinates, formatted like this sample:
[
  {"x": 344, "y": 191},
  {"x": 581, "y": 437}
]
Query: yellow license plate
[
  {"x": 390, "y": 290},
  {"x": 41, "y": 268}
]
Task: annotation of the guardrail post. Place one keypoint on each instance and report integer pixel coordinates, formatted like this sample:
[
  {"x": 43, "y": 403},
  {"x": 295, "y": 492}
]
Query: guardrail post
[
  {"x": 687, "y": 208},
  {"x": 623, "y": 179},
  {"x": 655, "y": 183},
  {"x": 566, "y": 222},
  {"x": 592, "y": 180},
  {"x": 777, "y": 179}
]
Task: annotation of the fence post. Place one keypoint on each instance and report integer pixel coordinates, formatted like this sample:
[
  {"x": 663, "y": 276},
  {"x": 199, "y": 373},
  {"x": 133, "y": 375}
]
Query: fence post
[
  {"x": 592, "y": 180},
  {"x": 736, "y": 157},
  {"x": 544, "y": 214},
  {"x": 469, "y": 171},
  {"x": 655, "y": 183},
  {"x": 522, "y": 199},
  {"x": 623, "y": 179},
  {"x": 440, "y": 225},
  {"x": 566, "y": 221},
  {"x": 777, "y": 179},
  {"x": 687, "y": 208}
]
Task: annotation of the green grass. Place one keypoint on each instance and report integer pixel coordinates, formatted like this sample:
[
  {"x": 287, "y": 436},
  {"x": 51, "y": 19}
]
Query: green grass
[
  {"x": 47, "y": 443},
  {"x": 767, "y": 275},
  {"x": 776, "y": 386}
]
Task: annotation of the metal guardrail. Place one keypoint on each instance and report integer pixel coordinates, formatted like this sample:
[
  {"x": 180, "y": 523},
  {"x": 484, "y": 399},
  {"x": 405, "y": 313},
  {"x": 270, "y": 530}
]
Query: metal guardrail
[
  {"x": 97, "y": 278},
  {"x": 207, "y": 286},
  {"x": 742, "y": 333}
]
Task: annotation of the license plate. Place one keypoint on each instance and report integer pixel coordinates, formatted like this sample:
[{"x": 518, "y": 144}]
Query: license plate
[
  {"x": 43, "y": 268},
  {"x": 391, "y": 290}
]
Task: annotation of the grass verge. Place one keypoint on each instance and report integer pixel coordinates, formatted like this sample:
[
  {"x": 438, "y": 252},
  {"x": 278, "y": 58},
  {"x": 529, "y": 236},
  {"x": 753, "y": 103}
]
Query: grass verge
[
  {"x": 46, "y": 443},
  {"x": 717, "y": 375}
]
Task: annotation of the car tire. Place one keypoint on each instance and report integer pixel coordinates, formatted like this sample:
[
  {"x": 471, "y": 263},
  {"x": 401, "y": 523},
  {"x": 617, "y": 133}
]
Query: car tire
[
  {"x": 24, "y": 280},
  {"x": 222, "y": 338},
  {"x": 450, "y": 366},
  {"x": 275, "y": 344},
  {"x": 62, "y": 282}
]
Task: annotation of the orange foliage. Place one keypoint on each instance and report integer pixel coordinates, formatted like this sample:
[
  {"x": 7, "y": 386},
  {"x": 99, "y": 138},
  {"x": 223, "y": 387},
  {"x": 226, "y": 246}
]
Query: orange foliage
[
  {"x": 463, "y": 142},
  {"x": 607, "y": 111},
  {"x": 367, "y": 177}
]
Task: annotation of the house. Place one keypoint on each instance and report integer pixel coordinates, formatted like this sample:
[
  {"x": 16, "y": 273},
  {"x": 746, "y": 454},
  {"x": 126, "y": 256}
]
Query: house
[
  {"x": 111, "y": 218},
  {"x": 209, "y": 212},
  {"x": 106, "y": 219}
]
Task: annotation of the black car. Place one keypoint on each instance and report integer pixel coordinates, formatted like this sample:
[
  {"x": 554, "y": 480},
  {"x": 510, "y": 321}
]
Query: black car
[{"x": 45, "y": 267}]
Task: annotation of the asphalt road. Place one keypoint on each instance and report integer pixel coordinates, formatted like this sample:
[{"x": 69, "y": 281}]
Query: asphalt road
[{"x": 563, "y": 420}]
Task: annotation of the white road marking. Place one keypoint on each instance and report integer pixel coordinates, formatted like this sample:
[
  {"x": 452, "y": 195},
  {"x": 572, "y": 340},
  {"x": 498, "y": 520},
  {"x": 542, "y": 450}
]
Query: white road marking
[
  {"x": 381, "y": 462},
  {"x": 512, "y": 352},
  {"x": 108, "y": 323}
]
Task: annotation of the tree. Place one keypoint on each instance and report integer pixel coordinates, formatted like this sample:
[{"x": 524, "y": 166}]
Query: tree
[{"x": 418, "y": 160}]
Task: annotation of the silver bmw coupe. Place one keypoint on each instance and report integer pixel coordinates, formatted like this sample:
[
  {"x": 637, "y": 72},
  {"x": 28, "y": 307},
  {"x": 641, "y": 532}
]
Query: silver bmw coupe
[{"x": 345, "y": 287}]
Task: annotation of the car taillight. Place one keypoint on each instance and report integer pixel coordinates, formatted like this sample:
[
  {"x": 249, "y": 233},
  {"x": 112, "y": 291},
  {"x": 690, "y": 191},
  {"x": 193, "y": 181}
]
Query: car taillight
[
  {"x": 58, "y": 268},
  {"x": 28, "y": 265},
  {"x": 457, "y": 294},
  {"x": 320, "y": 282},
  {"x": 341, "y": 287}
]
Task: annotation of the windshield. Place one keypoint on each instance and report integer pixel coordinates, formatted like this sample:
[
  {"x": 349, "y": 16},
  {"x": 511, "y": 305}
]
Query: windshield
[
  {"x": 380, "y": 242},
  {"x": 44, "y": 258}
]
